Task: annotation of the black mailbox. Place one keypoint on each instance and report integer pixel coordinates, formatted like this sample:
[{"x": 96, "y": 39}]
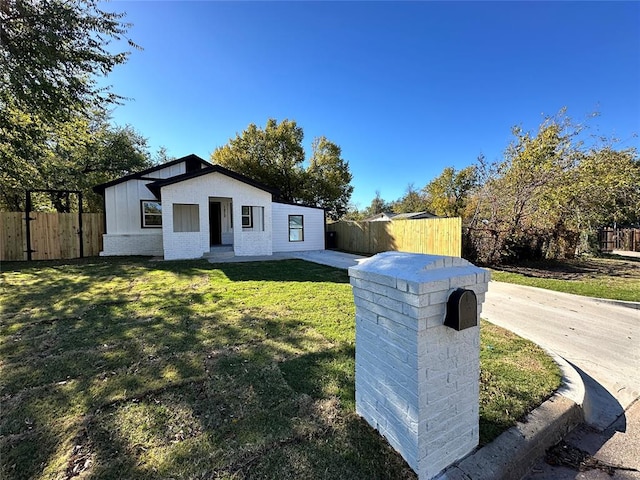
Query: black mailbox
[{"x": 462, "y": 310}]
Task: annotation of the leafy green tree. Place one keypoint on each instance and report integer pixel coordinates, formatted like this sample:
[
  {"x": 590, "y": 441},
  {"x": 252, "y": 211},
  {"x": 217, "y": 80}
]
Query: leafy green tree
[
  {"x": 378, "y": 205},
  {"x": 509, "y": 201},
  {"x": 51, "y": 52},
  {"x": 447, "y": 194},
  {"x": 353, "y": 213},
  {"x": 22, "y": 147},
  {"x": 412, "y": 201},
  {"x": 51, "y": 55},
  {"x": 275, "y": 157},
  {"x": 549, "y": 193},
  {"x": 71, "y": 155},
  {"x": 327, "y": 179}
]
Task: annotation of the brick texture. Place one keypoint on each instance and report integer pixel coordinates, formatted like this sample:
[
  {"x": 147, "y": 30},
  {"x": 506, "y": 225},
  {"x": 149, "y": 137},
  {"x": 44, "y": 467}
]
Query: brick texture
[{"x": 417, "y": 381}]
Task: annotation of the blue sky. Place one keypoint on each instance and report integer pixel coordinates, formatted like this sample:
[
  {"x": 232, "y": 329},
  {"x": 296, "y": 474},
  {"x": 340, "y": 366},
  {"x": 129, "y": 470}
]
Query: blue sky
[{"x": 406, "y": 89}]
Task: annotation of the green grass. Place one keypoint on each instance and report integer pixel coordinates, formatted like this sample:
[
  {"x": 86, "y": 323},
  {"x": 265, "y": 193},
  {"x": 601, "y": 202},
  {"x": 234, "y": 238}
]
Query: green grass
[
  {"x": 515, "y": 376},
  {"x": 612, "y": 278},
  {"x": 128, "y": 368}
]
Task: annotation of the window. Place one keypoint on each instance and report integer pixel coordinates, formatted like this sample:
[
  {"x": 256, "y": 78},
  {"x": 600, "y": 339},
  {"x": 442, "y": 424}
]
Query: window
[
  {"x": 186, "y": 217},
  {"x": 296, "y": 228},
  {"x": 151, "y": 214},
  {"x": 247, "y": 217}
]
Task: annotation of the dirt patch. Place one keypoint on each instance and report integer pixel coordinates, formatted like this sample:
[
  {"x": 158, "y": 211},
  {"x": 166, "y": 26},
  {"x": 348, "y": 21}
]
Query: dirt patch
[{"x": 578, "y": 269}]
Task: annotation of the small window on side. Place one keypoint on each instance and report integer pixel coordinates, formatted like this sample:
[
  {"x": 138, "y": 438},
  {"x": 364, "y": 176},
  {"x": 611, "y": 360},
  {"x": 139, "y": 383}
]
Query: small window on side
[{"x": 296, "y": 228}]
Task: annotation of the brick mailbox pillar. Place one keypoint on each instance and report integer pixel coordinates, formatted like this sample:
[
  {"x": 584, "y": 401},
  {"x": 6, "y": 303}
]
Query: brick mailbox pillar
[{"x": 417, "y": 380}]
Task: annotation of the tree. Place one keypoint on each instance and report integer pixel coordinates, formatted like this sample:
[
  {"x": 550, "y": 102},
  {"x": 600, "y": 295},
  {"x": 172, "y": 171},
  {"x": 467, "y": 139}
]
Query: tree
[
  {"x": 412, "y": 201},
  {"x": 447, "y": 194},
  {"x": 275, "y": 157},
  {"x": 328, "y": 179},
  {"x": 71, "y": 155},
  {"x": 549, "y": 194},
  {"x": 378, "y": 205},
  {"x": 509, "y": 203},
  {"x": 51, "y": 52}
]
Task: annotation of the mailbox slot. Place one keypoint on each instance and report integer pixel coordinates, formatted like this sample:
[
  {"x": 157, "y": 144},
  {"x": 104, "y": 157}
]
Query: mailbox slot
[{"x": 462, "y": 310}]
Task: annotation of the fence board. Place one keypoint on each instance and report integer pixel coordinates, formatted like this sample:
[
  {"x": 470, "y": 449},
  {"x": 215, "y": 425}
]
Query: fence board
[
  {"x": 13, "y": 245},
  {"x": 92, "y": 230},
  {"x": 53, "y": 235},
  {"x": 438, "y": 236}
]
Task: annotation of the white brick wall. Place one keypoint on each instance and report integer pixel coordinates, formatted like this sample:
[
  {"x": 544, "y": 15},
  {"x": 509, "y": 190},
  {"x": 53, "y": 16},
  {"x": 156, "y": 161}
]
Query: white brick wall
[
  {"x": 132, "y": 244},
  {"x": 417, "y": 381},
  {"x": 313, "y": 228},
  {"x": 198, "y": 190}
]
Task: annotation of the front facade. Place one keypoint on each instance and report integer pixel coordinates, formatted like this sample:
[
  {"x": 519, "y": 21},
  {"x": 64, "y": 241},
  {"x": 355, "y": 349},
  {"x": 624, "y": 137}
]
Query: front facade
[{"x": 183, "y": 209}]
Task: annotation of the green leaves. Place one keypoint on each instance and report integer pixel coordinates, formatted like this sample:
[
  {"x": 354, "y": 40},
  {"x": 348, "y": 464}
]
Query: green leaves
[
  {"x": 72, "y": 155},
  {"x": 327, "y": 180},
  {"x": 51, "y": 52},
  {"x": 550, "y": 191},
  {"x": 275, "y": 156},
  {"x": 447, "y": 194},
  {"x": 272, "y": 156},
  {"x": 54, "y": 131}
]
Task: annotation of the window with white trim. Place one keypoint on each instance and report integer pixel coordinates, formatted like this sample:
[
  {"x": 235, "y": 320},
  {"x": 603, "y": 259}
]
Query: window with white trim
[
  {"x": 151, "y": 214},
  {"x": 296, "y": 228}
]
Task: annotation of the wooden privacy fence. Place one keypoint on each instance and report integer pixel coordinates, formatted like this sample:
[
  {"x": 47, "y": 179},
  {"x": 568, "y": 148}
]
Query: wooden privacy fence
[
  {"x": 53, "y": 235},
  {"x": 438, "y": 236},
  {"x": 627, "y": 239}
]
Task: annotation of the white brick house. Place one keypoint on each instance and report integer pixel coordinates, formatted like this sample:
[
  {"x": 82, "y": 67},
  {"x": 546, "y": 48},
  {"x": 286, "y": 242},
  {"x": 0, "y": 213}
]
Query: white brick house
[{"x": 184, "y": 208}]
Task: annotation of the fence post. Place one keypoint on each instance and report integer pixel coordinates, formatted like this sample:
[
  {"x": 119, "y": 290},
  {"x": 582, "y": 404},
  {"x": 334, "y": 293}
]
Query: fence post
[{"x": 417, "y": 380}]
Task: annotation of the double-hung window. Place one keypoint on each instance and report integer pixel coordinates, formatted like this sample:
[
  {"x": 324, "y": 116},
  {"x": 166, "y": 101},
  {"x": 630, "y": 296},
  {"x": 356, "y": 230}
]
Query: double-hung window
[
  {"x": 151, "y": 214},
  {"x": 296, "y": 228},
  {"x": 247, "y": 217}
]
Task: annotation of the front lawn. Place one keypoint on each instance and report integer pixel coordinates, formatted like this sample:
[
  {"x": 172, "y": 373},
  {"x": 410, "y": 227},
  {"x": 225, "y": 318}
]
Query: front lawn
[{"x": 128, "y": 368}]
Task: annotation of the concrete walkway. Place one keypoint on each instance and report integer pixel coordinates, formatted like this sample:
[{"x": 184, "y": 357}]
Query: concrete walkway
[{"x": 331, "y": 258}]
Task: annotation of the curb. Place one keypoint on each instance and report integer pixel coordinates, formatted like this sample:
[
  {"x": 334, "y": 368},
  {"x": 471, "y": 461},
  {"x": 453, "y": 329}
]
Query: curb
[
  {"x": 515, "y": 451},
  {"x": 619, "y": 303}
]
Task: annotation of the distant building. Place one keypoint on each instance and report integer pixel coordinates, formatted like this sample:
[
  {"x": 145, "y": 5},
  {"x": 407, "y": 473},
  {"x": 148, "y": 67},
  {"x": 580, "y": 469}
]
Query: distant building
[{"x": 388, "y": 216}]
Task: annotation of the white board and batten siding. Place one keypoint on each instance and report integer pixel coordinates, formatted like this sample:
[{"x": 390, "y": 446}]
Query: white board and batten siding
[
  {"x": 314, "y": 225},
  {"x": 125, "y": 234}
]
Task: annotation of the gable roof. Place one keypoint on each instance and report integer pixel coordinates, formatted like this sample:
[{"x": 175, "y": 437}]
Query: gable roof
[
  {"x": 156, "y": 187},
  {"x": 413, "y": 216},
  {"x": 377, "y": 216},
  {"x": 387, "y": 216},
  {"x": 190, "y": 160}
]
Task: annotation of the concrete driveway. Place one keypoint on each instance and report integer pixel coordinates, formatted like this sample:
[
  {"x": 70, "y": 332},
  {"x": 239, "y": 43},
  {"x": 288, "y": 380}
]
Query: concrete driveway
[{"x": 601, "y": 339}]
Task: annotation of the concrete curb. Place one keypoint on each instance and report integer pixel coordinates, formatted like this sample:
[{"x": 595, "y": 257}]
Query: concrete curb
[
  {"x": 514, "y": 452},
  {"x": 619, "y": 303}
]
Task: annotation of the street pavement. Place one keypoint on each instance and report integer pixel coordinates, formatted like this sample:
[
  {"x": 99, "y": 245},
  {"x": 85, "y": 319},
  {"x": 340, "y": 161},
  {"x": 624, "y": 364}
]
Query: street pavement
[{"x": 602, "y": 341}]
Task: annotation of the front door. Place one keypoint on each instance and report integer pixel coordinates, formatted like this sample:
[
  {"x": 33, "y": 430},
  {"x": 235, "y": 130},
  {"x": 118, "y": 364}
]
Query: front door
[{"x": 215, "y": 224}]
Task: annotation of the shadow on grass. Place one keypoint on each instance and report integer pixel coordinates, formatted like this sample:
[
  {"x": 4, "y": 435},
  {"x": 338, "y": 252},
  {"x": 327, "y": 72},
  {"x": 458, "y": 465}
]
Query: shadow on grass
[{"x": 127, "y": 368}]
